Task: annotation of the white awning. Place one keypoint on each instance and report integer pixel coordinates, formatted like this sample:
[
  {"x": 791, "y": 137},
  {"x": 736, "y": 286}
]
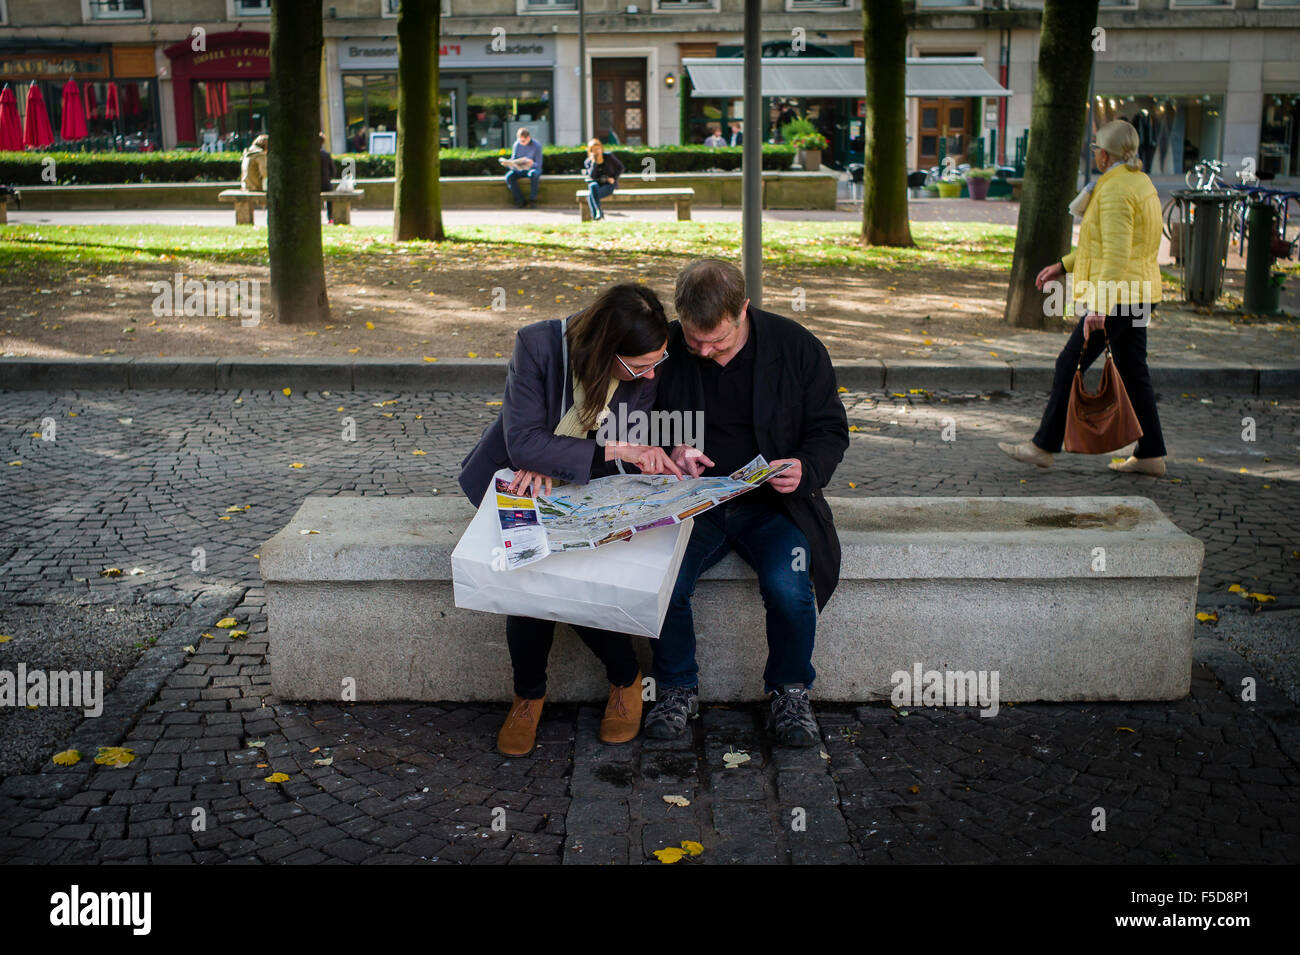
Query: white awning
[{"x": 929, "y": 76}]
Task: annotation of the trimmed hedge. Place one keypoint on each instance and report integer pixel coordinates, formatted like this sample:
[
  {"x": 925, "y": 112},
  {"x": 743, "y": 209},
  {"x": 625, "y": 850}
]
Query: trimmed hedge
[{"x": 25, "y": 168}]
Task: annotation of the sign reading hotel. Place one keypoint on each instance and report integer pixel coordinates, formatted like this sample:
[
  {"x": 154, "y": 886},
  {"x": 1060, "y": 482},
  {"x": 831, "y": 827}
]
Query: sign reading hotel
[{"x": 380, "y": 53}]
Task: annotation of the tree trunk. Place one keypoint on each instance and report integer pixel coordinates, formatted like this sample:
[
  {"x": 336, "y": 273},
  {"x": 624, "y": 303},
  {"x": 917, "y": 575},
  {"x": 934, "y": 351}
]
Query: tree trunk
[
  {"x": 884, "y": 180},
  {"x": 1052, "y": 165},
  {"x": 417, "y": 197},
  {"x": 293, "y": 166}
]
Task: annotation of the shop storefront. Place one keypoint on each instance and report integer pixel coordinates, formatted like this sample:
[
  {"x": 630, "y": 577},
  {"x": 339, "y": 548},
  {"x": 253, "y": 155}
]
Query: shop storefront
[
  {"x": 116, "y": 83},
  {"x": 1174, "y": 132},
  {"x": 221, "y": 91},
  {"x": 1279, "y": 136},
  {"x": 486, "y": 92},
  {"x": 830, "y": 91},
  {"x": 1177, "y": 108}
]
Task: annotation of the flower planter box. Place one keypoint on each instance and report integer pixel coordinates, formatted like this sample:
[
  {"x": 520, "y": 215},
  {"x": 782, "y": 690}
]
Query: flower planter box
[{"x": 949, "y": 190}]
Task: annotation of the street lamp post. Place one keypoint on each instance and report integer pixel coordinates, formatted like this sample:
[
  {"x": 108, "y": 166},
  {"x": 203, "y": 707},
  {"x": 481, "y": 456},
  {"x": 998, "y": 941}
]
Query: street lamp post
[{"x": 752, "y": 159}]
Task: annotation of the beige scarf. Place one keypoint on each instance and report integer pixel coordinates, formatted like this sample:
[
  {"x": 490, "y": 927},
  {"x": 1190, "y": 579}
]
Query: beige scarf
[{"x": 571, "y": 425}]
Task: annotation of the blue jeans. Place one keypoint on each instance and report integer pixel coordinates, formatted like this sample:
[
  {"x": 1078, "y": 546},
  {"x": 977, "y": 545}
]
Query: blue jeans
[
  {"x": 595, "y": 192},
  {"x": 768, "y": 541},
  {"x": 534, "y": 176}
]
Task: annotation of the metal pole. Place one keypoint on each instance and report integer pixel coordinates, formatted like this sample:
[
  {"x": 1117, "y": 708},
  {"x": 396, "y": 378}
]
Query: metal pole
[
  {"x": 582, "y": 74},
  {"x": 752, "y": 159}
]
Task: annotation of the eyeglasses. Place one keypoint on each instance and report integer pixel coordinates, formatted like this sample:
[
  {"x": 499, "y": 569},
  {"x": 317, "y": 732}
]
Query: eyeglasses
[{"x": 638, "y": 374}]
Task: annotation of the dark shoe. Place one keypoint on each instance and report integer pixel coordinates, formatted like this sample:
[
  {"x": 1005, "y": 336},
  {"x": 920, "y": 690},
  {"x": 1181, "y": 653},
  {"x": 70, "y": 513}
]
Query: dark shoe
[
  {"x": 622, "y": 720},
  {"x": 792, "y": 719},
  {"x": 519, "y": 732},
  {"x": 668, "y": 718},
  {"x": 532, "y": 203}
]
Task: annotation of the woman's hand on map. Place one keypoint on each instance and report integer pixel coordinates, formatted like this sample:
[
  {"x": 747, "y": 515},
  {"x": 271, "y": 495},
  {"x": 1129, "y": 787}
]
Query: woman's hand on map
[
  {"x": 691, "y": 460},
  {"x": 540, "y": 483},
  {"x": 789, "y": 479},
  {"x": 649, "y": 460}
]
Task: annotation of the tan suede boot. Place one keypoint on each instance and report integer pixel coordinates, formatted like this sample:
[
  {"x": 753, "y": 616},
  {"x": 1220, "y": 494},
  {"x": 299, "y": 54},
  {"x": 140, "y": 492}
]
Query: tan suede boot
[
  {"x": 622, "y": 719},
  {"x": 519, "y": 732}
]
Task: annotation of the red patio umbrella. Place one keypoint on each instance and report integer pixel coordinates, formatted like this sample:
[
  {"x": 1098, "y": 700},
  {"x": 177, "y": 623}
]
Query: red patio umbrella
[
  {"x": 37, "y": 133},
  {"x": 132, "y": 105},
  {"x": 74, "y": 119},
  {"x": 11, "y": 133},
  {"x": 111, "y": 110},
  {"x": 92, "y": 107}
]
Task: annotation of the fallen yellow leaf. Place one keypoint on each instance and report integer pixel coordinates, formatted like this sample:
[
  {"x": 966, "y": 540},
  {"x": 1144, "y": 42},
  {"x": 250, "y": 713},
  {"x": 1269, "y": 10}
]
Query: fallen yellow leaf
[
  {"x": 670, "y": 855},
  {"x": 692, "y": 848},
  {"x": 69, "y": 757},
  {"x": 296, "y": 464},
  {"x": 287, "y": 391},
  {"x": 1207, "y": 617},
  {"x": 278, "y": 778},
  {"x": 680, "y": 801},
  {"x": 114, "y": 756}
]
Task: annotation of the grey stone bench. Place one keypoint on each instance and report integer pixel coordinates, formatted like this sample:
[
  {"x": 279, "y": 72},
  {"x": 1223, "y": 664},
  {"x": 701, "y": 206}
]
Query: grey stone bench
[
  {"x": 245, "y": 201},
  {"x": 1012, "y": 585},
  {"x": 682, "y": 198}
]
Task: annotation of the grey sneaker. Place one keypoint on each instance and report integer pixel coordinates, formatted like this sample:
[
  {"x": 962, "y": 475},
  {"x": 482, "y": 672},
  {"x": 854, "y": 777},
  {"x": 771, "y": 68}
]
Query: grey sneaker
[
  {"x": 792, "y": 719},
  {"x": 668, "y": 718}
]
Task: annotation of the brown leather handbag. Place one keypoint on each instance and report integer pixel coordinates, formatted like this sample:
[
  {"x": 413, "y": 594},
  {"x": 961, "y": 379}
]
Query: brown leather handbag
[{"x": 1102, "y": 422}]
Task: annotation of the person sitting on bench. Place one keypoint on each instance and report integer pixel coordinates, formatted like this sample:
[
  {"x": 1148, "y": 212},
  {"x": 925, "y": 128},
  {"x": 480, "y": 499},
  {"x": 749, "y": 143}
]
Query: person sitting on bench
[
  {"x": 252, "y": 165},
  {"x": 602, "y": 172},
  {"x": 526, "y": 163}
]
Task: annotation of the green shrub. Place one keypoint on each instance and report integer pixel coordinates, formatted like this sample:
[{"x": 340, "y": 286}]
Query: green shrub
[
  {"x": 799, "y": 126},
  {"x": 25, "y": 168}
]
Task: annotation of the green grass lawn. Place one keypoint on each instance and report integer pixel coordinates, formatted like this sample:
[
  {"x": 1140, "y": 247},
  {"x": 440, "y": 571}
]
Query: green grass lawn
[{"x": 785, "y": 244}]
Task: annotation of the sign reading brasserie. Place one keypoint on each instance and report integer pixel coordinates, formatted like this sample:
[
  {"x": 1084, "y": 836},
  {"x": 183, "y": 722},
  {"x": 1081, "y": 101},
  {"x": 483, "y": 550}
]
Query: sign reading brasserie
[{"x": 381, "y": 53}]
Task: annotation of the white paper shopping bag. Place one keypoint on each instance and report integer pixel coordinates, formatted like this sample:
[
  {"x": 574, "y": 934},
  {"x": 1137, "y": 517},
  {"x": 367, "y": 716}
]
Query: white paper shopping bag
[{"x": 623, "y": 586}]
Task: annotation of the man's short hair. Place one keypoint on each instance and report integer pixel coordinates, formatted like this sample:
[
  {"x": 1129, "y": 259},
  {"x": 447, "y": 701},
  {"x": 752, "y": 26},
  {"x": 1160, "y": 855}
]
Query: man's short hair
[
  {"x": 522, "y": 131},
  {"x": 706, "y": 291}
]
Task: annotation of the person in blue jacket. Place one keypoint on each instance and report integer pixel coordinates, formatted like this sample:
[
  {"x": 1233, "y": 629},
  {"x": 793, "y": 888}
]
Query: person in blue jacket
[{"x": 564, "y": 377}]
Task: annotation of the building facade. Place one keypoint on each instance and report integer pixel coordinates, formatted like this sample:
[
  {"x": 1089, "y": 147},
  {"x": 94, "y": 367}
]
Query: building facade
[{"x": 1199, "y": 79}]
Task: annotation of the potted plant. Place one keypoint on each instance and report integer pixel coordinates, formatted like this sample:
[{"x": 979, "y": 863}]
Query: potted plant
[
  {"x": 949, "y": 184},
  {"x": 809, "y": 146},
  {"x": 978, "y": 181}
]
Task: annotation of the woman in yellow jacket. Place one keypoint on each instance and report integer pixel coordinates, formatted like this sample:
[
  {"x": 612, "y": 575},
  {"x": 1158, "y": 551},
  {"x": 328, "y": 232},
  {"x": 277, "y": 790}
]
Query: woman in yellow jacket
[{"x": 1116, "y": 285}]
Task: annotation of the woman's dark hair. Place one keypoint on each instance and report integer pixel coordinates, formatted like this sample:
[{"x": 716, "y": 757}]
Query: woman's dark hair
[{"x": 625, "y": 319}]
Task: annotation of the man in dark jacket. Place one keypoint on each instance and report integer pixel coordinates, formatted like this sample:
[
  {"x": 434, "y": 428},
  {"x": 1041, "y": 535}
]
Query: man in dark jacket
[{"x": 766, "y": 386}]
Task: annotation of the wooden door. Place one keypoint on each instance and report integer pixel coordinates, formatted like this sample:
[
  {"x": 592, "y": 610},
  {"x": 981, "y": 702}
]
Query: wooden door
[
  {"x": 620, "y": 99},
  {"x": 947, "y": 119}
]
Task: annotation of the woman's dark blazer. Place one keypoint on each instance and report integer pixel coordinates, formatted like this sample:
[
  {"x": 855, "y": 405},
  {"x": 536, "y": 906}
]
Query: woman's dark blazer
[{"x": 537, "y": 394}]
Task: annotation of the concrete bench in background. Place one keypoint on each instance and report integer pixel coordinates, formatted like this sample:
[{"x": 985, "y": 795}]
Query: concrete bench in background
[
  {"x": 245, "y": 201},
  {"x": 681, "y": 198},
  {"x": 1016, "y": 585}
]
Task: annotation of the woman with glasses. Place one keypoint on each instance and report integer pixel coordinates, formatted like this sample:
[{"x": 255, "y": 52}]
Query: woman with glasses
[{"x": 564, "y": 378}]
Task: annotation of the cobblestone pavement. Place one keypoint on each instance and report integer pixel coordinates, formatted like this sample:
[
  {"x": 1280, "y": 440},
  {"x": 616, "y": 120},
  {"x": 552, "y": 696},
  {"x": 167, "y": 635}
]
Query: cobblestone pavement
[{"x": 146, "y": 479}]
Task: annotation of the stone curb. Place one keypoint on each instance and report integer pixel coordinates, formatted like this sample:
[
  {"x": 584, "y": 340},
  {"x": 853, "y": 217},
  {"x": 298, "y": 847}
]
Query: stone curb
[
  {"x": 489, "y": 375},
  {"x": 129, "y": 697}
]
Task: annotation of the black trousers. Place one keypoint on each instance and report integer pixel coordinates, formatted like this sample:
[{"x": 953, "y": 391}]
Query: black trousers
[
  {"x": 530, "y": 641},
  {"x": 1128, "y": 347}
]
